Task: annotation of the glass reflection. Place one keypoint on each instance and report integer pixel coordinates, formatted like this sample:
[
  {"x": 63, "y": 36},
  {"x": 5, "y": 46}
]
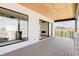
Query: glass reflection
[{"x": 12, "y": 30}]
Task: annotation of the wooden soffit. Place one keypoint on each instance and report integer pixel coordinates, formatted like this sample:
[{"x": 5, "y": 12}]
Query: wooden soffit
[{"x": 55, "y": 11}]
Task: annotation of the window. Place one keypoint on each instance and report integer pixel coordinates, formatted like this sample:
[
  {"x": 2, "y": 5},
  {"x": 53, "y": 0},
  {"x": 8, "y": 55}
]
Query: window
[
  {"x": 13, "y": 27},
  {"x": 65, "y": 29}
]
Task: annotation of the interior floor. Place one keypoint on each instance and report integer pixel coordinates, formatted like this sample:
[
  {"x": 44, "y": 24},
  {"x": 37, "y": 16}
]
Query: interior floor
[
  {"x": 49, "y": 47},
  {"x": 43, "y": 37}
]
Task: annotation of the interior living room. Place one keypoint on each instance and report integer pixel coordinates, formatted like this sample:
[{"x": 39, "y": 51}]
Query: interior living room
[
  {"x": 45, "y": 29},
  {"x": 39, "y": 29}
]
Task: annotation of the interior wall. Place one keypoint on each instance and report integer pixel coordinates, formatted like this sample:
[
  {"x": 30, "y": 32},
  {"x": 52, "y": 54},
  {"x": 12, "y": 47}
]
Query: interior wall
[{"x": 33, "y": 27}]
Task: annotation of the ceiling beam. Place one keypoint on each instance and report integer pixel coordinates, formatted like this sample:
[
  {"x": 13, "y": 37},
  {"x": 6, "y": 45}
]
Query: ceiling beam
[{"x": 69, "y": 19}]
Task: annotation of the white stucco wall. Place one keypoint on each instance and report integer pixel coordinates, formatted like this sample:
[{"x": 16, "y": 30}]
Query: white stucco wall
[{"x": 33, "y": 29}]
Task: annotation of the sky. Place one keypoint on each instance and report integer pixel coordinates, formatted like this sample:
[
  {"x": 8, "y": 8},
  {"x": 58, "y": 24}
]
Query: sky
[{"x": 66, "y": 24}]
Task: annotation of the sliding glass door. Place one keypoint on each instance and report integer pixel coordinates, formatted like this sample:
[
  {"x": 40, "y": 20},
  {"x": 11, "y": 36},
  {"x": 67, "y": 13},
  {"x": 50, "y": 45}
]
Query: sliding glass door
[{"x": 46, "y": 29}]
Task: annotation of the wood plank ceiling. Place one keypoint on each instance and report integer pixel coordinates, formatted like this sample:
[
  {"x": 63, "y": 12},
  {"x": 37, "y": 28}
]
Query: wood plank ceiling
[{"x": 55, "y": 11}]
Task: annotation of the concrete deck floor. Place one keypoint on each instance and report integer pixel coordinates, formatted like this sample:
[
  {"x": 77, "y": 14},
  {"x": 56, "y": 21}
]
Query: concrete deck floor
[{"x": 49, "y": 47}]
